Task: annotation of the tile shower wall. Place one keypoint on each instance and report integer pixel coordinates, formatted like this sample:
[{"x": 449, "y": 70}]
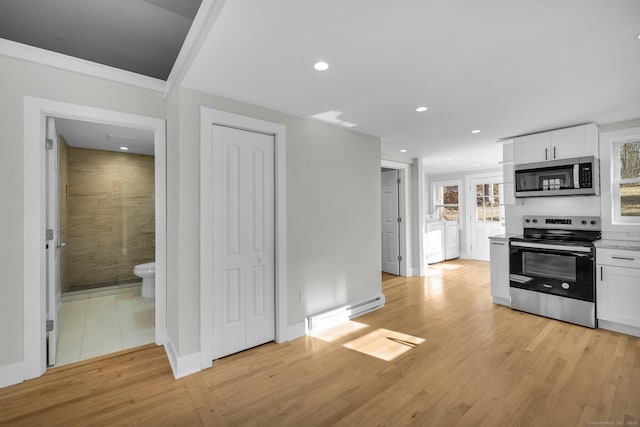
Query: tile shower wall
[{"x": 110, "y": 199}]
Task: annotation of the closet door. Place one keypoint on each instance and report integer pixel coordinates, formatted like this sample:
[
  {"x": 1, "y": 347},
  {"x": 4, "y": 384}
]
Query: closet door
[{"x": 244, "y": 240}]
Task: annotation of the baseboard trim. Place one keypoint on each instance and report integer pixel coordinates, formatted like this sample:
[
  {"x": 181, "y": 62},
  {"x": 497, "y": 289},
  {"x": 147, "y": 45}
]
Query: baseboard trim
[
  {"x": 330, "y": 318},
  {"x": 502, "y": 301},
  {"x": 618, "y": 327},
  {"x": 181, "y": 366},
  {"x": 295, "y": 331},
  {"x": 12, "y": 374}
]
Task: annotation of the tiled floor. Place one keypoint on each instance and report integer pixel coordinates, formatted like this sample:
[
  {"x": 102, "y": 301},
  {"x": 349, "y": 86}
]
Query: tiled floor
[{"x": 100, "y": 325}]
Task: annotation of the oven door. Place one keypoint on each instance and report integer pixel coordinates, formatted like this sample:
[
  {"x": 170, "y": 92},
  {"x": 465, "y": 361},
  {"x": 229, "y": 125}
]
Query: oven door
[{"x": 566, "y": 271}]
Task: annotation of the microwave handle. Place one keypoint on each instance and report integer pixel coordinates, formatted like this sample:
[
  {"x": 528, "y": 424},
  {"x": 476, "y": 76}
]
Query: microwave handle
[{"x": 576, "y": 176}]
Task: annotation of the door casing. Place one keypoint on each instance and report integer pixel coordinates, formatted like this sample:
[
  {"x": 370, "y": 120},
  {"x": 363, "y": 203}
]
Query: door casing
[
  {"x": 208, "y": 117},
  {"x": 36, "y": 110}
]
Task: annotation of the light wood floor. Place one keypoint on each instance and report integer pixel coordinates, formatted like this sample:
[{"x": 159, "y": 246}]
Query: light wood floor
[{"x": 438, "y": 354}]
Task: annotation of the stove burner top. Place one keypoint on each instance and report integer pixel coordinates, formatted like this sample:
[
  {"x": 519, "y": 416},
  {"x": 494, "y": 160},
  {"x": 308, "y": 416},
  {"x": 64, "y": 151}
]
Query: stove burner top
[{"x": 560, "y": 230}]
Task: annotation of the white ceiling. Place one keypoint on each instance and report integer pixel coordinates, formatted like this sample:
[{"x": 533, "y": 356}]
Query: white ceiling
[
  {"x": 502, "y": 66},
  {"x": 100, "y": 136}
]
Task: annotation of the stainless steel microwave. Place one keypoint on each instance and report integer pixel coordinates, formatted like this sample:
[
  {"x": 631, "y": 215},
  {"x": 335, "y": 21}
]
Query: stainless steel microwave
[{"x": 565, "y": 177}]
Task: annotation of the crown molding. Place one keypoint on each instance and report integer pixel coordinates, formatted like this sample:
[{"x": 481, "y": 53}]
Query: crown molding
[
  {"x": 189, "y": 43},
  {"x": 82, "y": 66}
]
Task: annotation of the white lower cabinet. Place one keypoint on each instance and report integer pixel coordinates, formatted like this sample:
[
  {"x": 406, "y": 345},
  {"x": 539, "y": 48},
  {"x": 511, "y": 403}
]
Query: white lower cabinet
[
  {"x": 499, "y": 260},
  {"x": 618, "y": 287}
]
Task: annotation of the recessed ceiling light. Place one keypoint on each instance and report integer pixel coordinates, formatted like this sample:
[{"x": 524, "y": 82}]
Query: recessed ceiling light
[
  {"x": 448, "y": 159},
  {"x": 124, "y": 148},
  {"x": 403, "y": 151},
  {"x": 475, "y": 131},
  {"x": 421, "y": 109},
  {"x": 321, "y": 66},
  {"x": 477, "y": 165}
]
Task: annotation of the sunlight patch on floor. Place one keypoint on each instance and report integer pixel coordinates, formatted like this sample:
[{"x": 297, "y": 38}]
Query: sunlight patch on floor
[
  {"x": 384, "y": 344},
  {"x": 442, "y": 268},
  {"x": 433, "y": 287},
  {"x": 336, "y": 332}
]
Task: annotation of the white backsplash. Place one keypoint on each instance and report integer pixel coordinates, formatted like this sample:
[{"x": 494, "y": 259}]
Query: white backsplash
[{"x": 552, "y": 206}]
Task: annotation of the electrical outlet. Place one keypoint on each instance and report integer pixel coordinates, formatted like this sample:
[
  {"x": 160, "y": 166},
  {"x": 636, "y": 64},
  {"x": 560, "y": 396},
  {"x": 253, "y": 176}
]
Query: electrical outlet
[{"x": 303, "y": 295}]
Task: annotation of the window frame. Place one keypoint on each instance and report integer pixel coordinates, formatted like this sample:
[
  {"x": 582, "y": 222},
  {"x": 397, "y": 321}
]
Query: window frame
[
  {"x": 621, "y": 228},
  {"x": 434, "y": 195},
  {"x": 489, "y": 197},
  {"x": 616, "y": 181}
]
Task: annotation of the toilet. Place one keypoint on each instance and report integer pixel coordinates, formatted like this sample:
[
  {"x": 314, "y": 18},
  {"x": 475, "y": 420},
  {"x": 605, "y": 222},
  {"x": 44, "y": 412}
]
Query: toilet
[{"x": 147, "y": 272}]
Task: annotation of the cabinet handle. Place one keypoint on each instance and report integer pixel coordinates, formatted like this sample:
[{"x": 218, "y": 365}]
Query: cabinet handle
[
  {"x": 623, "y": 258},
  {"x": 546, "y": 151},
  {"x": 497, "y": 243},
  {"x": 601, "y": 273},
  {"x": 554, "y": 153}
]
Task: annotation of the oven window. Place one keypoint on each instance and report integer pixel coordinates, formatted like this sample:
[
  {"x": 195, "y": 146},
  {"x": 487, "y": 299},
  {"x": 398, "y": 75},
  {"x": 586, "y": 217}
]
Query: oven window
[{"x": 549, "y": 265}]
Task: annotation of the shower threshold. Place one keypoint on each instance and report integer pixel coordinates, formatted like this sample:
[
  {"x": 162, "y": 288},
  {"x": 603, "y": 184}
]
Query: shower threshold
[{"x": 78, "y": 292}]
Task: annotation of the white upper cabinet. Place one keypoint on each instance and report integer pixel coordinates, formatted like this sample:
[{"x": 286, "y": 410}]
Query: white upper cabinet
[
  {"x": 532, "y": 148},
  {"x": 577, "y": 141}
]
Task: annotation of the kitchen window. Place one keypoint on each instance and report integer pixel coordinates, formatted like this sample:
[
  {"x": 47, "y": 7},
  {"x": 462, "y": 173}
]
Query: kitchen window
[
  {"x": 446, "y": 200},
  {"x": 626, "y": 181}
]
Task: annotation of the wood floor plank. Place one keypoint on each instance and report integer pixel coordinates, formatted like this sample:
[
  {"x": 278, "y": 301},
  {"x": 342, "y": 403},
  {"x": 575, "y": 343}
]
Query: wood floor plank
[{"x": 460, "y": 360}]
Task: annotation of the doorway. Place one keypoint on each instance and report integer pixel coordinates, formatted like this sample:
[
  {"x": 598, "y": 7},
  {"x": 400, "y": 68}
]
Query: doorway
[
  {"x": 486, "y": 213},
  {"x": 396, "y": 218},
  {"x": 219, "y": 198},
  {"x": 36, "y": 112},
  {"x": 390, "y": 221},
  {"x": 104, "y": 233},
  {"x": 244, "y": 255}
]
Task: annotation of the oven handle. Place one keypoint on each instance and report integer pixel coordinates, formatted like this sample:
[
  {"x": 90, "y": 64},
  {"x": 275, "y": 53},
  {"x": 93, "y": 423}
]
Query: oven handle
[{"x": 560, "y": 248}]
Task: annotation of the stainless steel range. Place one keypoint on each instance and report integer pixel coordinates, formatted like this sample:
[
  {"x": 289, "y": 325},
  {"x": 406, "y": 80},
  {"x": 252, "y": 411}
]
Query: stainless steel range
[{"x": 552, "y": 268}]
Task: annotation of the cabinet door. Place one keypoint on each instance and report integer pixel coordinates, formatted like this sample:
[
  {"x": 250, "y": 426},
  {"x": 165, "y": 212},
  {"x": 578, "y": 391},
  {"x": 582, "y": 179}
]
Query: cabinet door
[
  {"x": 531, "y": 148},
  {"x": 499, "y": 259},
  {"x": 618, "y": 293},
  {"x": 578, "y": 141}
]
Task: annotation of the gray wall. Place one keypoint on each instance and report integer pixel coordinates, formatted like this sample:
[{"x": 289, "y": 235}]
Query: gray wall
[
  {"x": 333, "y": 214},
  {"x": 19, "y": 79}
]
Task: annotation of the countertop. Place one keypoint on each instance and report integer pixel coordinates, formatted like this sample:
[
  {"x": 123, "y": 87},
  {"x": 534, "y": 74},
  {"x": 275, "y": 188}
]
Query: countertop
[
  {"x": 627, "y": 245},
  {"x": 502, "y": 236}
]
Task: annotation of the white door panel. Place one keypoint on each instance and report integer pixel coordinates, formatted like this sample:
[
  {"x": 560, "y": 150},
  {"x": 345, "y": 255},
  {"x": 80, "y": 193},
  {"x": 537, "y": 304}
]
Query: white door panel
[
  {"x": 485, "y": 214},
  {"x": 53, "y": 245},
  {"x": 244, "y": 260},
  {"x": 390, "y": 226}
]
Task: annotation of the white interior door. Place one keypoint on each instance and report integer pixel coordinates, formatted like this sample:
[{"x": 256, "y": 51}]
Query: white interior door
[
  {"x": 53, "y": 240},
  {"x": 243, "y": 240},
  {"x": 390, "y": 225},
  {"x": 485, "y": 214}
]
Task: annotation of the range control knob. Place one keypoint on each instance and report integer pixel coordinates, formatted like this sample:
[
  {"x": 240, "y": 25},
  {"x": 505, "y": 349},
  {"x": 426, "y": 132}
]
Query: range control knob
[
  {"x": 584, "y": 222},
  {"x": 535, "y": 221},
  {"x": 593, "y": 222},
  {"x": 565, "y": 285},
  {"x": 527, "y": 221}
]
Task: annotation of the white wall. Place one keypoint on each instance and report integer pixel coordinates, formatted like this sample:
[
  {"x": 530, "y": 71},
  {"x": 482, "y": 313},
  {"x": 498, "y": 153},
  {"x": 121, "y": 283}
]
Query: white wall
[
  {"x": 19, "y": 79},
  {"x": 333, "y": 213}
]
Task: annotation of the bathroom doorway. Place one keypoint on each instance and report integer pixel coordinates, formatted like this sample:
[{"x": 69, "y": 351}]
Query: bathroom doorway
[
  {"x": 37, "y": 293},
  {"x": 106, "y": 235}
]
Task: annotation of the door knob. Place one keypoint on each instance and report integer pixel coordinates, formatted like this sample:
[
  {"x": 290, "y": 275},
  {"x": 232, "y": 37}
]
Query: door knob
[{"x": 62, "y": 245}]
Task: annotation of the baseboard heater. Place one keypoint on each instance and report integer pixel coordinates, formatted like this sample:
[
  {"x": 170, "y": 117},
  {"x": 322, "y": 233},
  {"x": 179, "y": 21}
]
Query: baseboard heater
[{"x": 327, "y": 319}]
